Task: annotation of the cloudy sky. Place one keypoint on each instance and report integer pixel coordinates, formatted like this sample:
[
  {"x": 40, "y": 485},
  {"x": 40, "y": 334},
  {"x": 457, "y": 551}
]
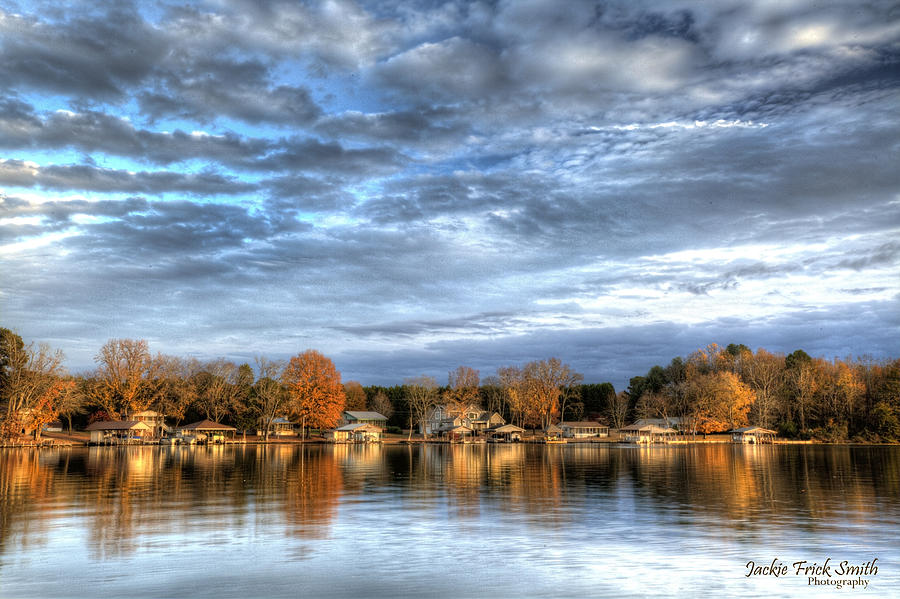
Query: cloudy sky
[{"x": 411, "y": 186}]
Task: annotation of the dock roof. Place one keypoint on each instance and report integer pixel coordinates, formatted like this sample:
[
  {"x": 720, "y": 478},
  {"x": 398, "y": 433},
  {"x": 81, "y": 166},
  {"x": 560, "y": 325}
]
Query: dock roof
[
  {"x": 206, "y": 425},
  {"x": 117, "y": 425}
]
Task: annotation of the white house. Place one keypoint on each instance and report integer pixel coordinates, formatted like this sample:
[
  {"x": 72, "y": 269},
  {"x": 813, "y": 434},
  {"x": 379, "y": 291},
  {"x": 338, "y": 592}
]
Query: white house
[
  {"x": 583, "y": 430},
  {"x": 355, "y": 433}
]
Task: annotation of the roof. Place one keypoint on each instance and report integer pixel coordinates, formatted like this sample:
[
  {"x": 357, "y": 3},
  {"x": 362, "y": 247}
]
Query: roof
[
  {"x": 583, "y": 424},
  {"x": 461, "y": 429},
  {"x": 206, "y": 425},
  {"x": 552, "y": 429},
  {"x": 359, "y": 426},
  {"x": 281, "y": 421},
  {"x": 508, "y": 428},
  {"x": 668, "y": 421},
  {"x": 649, "y": 428},
  {"x": 117, "y": 425},
  {"x": 754, "y": 429},
  {"x": 366, "y": 415}
]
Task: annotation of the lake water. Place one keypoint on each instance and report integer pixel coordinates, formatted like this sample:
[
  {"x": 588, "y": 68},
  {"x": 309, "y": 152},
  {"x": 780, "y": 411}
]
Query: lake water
[{"x": 444, "y": 521}]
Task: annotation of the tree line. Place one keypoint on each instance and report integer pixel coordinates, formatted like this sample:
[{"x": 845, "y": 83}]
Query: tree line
[
  {"x": 799, "y": 396},
  {"x": 712, "y": 390}
]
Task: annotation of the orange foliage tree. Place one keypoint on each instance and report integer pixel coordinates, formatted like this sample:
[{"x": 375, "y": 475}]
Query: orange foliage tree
[
  {"x": 356, "y": 396},
  {"x": 719, "y": 401},
  {"x": 314, "y": 386},
  {"x": 32, "y": 385}
]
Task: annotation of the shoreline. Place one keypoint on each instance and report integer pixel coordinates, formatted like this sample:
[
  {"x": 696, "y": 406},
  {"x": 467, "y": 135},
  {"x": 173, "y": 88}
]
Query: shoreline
[{"x": 69, "y": 440}]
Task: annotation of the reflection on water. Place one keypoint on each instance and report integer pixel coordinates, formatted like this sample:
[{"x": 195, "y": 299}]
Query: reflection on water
[{"x": 512, "y": 520}]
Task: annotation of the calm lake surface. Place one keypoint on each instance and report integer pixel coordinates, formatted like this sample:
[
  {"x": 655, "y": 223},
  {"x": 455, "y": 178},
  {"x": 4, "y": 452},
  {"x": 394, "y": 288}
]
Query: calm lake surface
[{"x": 443, "y": 521}]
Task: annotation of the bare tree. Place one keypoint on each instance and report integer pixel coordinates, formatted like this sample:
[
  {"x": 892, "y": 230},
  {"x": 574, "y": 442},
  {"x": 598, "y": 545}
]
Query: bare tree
[
  {"x": 512, "y": 380},
  {"x": 270, "y": 396},
  {"x": 618, "y": 409},
  {"x": 421, "y": 394},
  {"x": 381, "y": 403},
  {"x": 545, "y": 381},
  {"x": 764, "y": 372},
  {"x": 219, "y": 388},
  {"x": 123, "y": 367}
]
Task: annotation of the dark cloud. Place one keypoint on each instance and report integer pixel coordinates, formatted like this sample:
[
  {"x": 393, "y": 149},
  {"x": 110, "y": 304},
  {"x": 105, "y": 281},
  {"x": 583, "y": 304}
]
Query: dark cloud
[
  {"x": 479, "y": 324},
  {"x": 89, "y": 58},
  {"x": 426, "y": 125},
  {"x": 93, "y": 131},
  {"x": 310, "y": 154},
  {"x": 204, "y": 89},
  {"x": 19, "y": 173}
]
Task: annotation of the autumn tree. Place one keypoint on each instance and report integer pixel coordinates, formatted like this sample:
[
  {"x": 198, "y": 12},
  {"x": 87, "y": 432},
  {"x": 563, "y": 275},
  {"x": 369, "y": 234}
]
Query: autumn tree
[
  {"x": 356, "y": 396},
  {"x": 314, "y": 388},
  {"x": 840, "y": 391},
  {"x": 33, "y": 385},
  {"x": 708, "y": 359},
  {"x": 421, "y": 396},
  {"x": 512, "y": 380},
  {"x": 719, "y": 401},
  {"x": 545, "y": 381}
]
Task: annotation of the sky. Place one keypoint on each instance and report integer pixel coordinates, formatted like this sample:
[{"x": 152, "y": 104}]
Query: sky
[{"x": 412, "y": 186}]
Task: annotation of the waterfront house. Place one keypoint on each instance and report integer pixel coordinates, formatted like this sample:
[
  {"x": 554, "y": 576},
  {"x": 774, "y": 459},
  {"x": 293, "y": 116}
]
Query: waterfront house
[
  {"x": 110, "y": 431},
  {"x": 648, "y": 433},
  {"x": 279, "y": 427},
  {"x": 443, "y": 419},
  {"x": 674, "y": 422},
  {"x": 155, "y": 420},
  {"x": 362, "y": 432},
  {"x": 357, "y": 417},
  {"x": 583, "y": 430},
  {"x": 752, "y": 434},
  {"x": 207, "y": 429}
]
